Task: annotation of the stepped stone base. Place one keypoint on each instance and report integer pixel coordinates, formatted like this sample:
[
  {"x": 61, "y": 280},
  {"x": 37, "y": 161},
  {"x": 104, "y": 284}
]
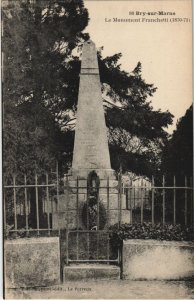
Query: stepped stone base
[{"x": 91, "y": 271}]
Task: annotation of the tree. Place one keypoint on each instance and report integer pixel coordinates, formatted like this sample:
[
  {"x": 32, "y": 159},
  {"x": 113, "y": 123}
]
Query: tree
[
  {"x": 41, "y": 80},
  {"x": 38, "y": 40},
  {"x": 177, "y": 158},
  {"x": 137, "y": 132},
  {"x": 177, "y": 167}
]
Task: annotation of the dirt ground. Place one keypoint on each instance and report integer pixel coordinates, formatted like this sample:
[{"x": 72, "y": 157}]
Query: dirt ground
[{"x": 115, "y": 289}]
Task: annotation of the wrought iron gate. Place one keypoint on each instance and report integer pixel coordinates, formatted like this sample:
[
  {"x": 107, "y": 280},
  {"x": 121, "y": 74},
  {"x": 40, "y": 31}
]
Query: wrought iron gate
[{"x": 90, "y": 239}]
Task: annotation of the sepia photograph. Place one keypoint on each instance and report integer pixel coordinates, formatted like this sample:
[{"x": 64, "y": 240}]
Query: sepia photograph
[{"x": 97, "y": 149}]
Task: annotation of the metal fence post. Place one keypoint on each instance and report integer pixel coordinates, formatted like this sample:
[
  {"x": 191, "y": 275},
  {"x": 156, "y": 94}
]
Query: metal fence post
[
  {"x": 108, "y": 216},
  {"x": 185, "y": 201},
  {"x": 131, "y": 206},
  {"x": 163, "y": 200},
  {"x": 142, "y": 201},
  {"x": 26, "y": 205},
  {"x": 174, "y": 200},
  {"x": 98, "y": 223},
  {"x": 119, "y": 200},
  {"x": 4, "y": 212},
  {"x": 37, "y": 204},
  {"x": 192, "y": 202},
  {"x": 48, "y": 206},
  {"x": 57, "y": 171},
  {"x": 77, "y": 217},
  {"x": 67, "y": 221},
  {"x": 15, "y": 205},
  {"x": 153, "y": 195}
]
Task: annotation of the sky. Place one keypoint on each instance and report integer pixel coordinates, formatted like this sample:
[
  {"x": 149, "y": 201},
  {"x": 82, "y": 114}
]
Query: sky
[{"x": 163, "y": 48}]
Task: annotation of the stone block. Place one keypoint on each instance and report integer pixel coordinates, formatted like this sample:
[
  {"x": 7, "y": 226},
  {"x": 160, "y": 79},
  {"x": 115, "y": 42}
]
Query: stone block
[
  {"x": 72, "y": 218},
  {"x": 59, "y": 220},
  {"x": 81, "y": 183},
  {"x": 113, "y": 201},
  {"x": 115, "y": 216},
  {"x": 32, "y": 262},
  {"x": 157, "y": 260},
  {"x": 102, "y": 173},
  {"x": 62, "y": 201},
  {"x": 123, "y": 201},
  {"x": 112, "y": 183},
  {"x": 81, "y": 190},
  {"x": 111, "y": 190},
  {"x": 91, "y": 271},
  {"x": 125, "y": 216},
  {"x": 73, "y": 202},
  {"x": 72, "y": 183}
]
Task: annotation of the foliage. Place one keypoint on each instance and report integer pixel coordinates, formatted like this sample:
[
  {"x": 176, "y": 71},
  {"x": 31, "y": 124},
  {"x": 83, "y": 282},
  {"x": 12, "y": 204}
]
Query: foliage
[
  {"x": 177, "y": 158},
  {"x": 41, "y": 44},
  {"x": 38, "y": 39},
  {"x": 136, "y": 131},
  {"x": 147, "y": 231},
  {"x": 30, "y": 140}
]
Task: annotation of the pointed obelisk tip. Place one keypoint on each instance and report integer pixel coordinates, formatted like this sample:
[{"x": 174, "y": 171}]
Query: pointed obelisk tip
[
  {"x": 89, "y": 55},
  {"x": 89, "y": 42}
]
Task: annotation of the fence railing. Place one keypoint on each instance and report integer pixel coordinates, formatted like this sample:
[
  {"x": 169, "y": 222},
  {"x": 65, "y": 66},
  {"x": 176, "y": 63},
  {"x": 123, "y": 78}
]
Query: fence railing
[
  {"x": 161, "y": 201},
  {"x": 29, "y": 204}
]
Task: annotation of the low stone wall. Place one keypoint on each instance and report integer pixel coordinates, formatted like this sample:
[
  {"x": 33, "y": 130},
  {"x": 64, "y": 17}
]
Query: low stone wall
[
  {"x": 32, "y": 262},
  {"x": 157, "y": 260}
]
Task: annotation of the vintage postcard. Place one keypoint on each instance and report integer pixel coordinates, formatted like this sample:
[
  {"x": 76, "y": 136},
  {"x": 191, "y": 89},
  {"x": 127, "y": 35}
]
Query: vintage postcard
[{"x": 97, "y": 123}]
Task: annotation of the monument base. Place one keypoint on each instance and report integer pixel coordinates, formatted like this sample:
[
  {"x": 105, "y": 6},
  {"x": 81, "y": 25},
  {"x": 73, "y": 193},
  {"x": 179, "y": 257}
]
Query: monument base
[
  {"x": 83, "y": 173},
  {"x": 71, "y": 203}
]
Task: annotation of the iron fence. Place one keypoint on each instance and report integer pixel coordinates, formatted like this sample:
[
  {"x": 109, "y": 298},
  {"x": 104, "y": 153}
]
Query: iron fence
[
  {"x": 160, "y": 201},
  {"x": 29, "y": 206},
  {"x": 29, "y": 202}
]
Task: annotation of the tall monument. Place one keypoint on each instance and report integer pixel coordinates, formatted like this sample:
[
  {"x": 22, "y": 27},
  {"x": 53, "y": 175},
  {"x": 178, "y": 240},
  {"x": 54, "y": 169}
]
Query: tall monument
[
  {"x": 91, "y": 168},
  {"x": 91, "y": 144}
]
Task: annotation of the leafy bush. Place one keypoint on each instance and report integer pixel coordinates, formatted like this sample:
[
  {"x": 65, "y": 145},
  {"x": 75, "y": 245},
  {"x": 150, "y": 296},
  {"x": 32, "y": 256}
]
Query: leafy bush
[{"x": 147, "y": 231}]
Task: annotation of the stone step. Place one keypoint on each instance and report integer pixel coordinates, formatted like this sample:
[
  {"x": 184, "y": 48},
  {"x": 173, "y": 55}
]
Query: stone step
[{"x": 90, "y": 271}]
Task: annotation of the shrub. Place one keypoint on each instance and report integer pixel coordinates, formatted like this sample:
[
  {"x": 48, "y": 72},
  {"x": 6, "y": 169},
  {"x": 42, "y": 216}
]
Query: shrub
[{"x": 148, "y": 231}]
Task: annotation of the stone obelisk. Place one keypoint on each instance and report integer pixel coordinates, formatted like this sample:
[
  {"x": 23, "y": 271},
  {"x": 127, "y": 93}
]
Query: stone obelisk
[{"x": 91, "y": 150}]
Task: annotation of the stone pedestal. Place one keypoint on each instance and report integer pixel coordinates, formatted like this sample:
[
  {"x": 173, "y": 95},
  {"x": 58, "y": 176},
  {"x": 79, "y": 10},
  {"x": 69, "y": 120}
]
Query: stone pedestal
[{"x": 71, "y": 204}]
